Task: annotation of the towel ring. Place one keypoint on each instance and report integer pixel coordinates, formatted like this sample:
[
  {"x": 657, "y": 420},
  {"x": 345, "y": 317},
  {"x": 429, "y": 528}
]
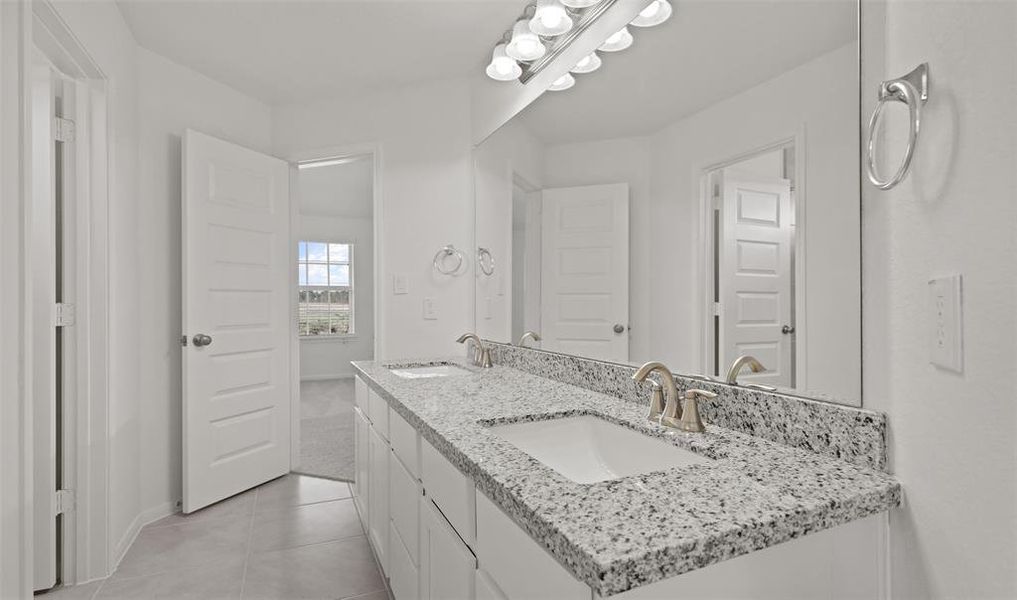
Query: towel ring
[
  {"x": 447, "y": 251},
  {"x": 485, "y": 261},
  {"x": 913, "y": 90}
]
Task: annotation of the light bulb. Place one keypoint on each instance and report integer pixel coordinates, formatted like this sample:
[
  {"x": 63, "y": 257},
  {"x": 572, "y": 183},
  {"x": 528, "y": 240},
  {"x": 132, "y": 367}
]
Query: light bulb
[
  {"x": 550, "y": 19},
  {"x": 579, "y": 3},
  {"x": 655, "y": 13},
  {"x": 587, "y": 64},
  {"x": 562, "y": 83},
  {"x": 524, "y": 45},
  {"x": 502, "y": 67},
  {"x": 618, "y": 40}
]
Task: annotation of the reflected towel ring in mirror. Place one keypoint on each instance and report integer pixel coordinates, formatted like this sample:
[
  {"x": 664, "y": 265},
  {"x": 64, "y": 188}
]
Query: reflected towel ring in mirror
[
  {"x": 485, "y": 261},
  {"x": 443, "y": 254},
  {"x": 913, "y": 90}
]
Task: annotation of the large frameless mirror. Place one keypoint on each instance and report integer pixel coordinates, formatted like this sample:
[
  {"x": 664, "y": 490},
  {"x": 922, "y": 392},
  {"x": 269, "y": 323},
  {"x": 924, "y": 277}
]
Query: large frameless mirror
[{"x": 694, "y": 200}]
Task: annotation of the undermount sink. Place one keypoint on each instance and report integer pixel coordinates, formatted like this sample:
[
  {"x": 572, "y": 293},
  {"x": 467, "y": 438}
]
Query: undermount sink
[
  {"x": 588, "y": 449},
  {"x": 427, "y": 371}
]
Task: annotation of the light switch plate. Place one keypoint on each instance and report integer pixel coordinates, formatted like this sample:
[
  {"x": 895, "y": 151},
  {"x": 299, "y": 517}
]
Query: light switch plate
[
  {"x": 400, "y": 284},
  {"x": 430, "y": 312},
  {"x": 946, "y": 336}
]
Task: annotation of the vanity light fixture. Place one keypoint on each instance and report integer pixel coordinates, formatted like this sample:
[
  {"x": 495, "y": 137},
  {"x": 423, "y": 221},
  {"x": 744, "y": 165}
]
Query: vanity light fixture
[
  {"x": 524, "y": 45},
  {"x": 503, "y": 67},
  {"x": 655, "y": 13},
  {"x": 562, "y": 83},
  {"x": 550, "y": 19},
  {"x": 587, "y": 64},
  {"x": 618, "y": 41}
]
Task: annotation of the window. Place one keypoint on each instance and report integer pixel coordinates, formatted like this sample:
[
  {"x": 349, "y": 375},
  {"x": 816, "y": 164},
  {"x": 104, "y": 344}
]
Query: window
[{"x": 325, "y": 280}]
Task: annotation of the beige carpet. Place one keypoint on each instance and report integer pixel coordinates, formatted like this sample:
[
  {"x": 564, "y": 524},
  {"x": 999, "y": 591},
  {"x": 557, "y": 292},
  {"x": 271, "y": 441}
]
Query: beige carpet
[{"x": 326, "y": 429}]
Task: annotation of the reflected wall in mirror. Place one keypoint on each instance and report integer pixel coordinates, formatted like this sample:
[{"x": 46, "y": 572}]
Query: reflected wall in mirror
[{"x": 694, "y": 200}]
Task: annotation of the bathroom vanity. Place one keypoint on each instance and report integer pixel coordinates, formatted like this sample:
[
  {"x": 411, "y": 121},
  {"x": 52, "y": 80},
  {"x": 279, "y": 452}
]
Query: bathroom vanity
[{"x": 501, "y": 483}]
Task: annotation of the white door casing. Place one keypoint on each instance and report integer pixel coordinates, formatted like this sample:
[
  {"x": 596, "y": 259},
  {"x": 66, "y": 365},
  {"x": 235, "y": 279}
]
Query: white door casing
[
  {"x": 236, "y": 289},
  {"x": 585, "y": 271},
  {"x": 755, "y": 276}
]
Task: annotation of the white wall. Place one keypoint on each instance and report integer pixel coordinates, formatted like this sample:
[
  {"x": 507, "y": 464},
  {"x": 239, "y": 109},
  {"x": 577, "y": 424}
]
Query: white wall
[
  {"x": 329, "y": 357},
  {"x": 423, "y": 136},
  {"x": 952, "y": 436},
  {"x": 172, "y": 98}
]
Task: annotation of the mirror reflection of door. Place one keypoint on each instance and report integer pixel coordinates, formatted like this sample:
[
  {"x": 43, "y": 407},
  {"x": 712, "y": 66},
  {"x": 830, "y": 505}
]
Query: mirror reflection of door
[{"x": 754, "y": 267}]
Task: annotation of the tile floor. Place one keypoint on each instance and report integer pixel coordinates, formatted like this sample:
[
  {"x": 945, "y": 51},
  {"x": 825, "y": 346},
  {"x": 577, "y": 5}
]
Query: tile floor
[{"x": 296, "y": 537}]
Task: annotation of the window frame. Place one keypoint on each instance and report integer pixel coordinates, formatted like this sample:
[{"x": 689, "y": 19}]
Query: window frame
[{"x": 350, "y": 244}]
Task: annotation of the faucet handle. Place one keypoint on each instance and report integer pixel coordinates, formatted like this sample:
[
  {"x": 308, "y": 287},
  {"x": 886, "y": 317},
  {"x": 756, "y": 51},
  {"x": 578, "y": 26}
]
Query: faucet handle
[
  {"x": 690, "y": 419},
  {"x": 656, "y": 402}
]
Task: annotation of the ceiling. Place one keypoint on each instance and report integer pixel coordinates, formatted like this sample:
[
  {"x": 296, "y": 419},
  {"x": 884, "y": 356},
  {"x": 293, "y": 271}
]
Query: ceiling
[
  {"x": 338, "y": 191},
  {"x": 289, "y": 51},
  {"x": 709, "y": 50}
]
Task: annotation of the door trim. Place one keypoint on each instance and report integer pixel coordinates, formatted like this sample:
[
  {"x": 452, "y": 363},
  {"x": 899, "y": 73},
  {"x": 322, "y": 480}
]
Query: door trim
[{"x": 374, "y": 150}]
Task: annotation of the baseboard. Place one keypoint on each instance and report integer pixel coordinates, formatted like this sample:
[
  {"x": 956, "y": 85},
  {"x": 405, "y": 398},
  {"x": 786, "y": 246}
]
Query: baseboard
[
  {"x": 326, "y": 377},
  {"x": 143, "y": 518}
]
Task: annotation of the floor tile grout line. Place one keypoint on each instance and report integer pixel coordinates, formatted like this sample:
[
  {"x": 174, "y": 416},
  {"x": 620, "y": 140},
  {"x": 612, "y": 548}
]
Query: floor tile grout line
[
  {"x": 250, "y": 543},
  {"x": 297, "y": 506},
  {"x": 365, "y": 594},
  {"x": 341, "y": 539}
]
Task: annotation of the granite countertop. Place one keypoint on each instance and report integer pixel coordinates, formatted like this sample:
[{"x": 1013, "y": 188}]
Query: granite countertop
[{"x": 620, "y": 534}]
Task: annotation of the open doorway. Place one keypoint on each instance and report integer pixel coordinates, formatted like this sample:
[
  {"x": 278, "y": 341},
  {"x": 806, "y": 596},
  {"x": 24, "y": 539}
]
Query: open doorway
[
  {"x": 753, "y": 225},
  {"x": 335, "y": 306}
]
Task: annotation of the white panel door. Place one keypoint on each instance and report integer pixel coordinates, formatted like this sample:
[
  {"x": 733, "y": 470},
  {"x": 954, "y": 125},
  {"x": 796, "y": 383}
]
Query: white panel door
[
  {"x": 584, "y": 279},
  {"x": 237, "y": 282},
  {"x": 755, "y": 276}
]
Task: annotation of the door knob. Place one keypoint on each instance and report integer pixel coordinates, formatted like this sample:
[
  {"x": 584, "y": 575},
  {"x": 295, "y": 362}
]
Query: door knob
[
  {"x": 787, "y": 330},
  {"x": 619, "y": 328},
  {"x": 202, "y": 340}
]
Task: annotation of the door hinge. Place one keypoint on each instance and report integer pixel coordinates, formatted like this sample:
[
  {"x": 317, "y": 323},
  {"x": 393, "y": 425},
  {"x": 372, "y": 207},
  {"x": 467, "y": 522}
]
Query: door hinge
[
  {"x": 718, "y": 309},
  {"x": 63, "y": 314},
  {"x": 63, "y": 129},
  {"x": 183, "y": 340},
  {"x": 63, "y": 501}
]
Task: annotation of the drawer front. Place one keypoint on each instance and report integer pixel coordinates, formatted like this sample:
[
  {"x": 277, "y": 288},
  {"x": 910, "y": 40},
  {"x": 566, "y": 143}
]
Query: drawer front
[
  {"x": 405, "y": 442},
  {"x": 519, "y": 566},
  {"x": 404, "y": 505},
  {"x": 378, "y": 413},
  {"x": 360, "y": 393},
  {"x": 447, "y": 567},
  {"x": 451, "y": 491},
  {"x": 404, "y": 578},
  {"x": 378, "y": 519}
]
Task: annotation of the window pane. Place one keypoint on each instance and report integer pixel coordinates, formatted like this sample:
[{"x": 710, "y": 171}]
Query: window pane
[
  {"x": 317, "y": 275},
  {"x": 339, "y": 275},
  {"x": 302, "y": 251},
  {"x": 301, "y": 274},
  {"x": 317, "y": 251},
  {"x": 339, "y": 253}
]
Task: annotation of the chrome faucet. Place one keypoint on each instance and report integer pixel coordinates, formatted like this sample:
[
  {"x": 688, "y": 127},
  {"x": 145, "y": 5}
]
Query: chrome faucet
[
  {"x": 669, "y": 414},
  {"x": 739, "y": 363},
  {"x": 481, "y": 356},
  {"x": 533, "y": 335}
]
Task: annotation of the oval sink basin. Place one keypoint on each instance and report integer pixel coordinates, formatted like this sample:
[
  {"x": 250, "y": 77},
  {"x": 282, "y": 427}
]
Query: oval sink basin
[
  {"x": 588, "y": 449},
  {"x": 427, "y": 371}
]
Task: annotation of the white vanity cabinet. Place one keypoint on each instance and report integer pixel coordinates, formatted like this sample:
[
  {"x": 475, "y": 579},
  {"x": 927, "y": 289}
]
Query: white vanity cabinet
[
  {"x": 361, "y": 482},
  {"x": 378, "y": 513},
  {"x": 447, "y": 566}
]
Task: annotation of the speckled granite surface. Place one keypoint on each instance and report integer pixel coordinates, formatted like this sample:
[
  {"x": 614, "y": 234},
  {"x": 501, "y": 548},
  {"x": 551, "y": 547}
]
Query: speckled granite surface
[
  {"x": 620, "y": 534},
  {"x": 852, "y": 434}
]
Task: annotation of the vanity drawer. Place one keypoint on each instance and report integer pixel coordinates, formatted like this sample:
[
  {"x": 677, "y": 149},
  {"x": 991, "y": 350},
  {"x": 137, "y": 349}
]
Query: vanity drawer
[
  {"x": 404, "y": 577},
  {"x": 404, "y": 505},
  {"x": 405, "y": 442},
  {"x": 377, "y": 411},
  {"x": 519, "y": 567},
  {"x": 360, "y": 392},
  {"x": 452, "y": 492}
]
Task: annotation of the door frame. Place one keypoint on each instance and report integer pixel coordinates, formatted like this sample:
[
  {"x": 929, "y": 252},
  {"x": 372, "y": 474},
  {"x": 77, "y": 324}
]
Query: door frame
[
  {"x": 706, "y": 262},
  {"x": 374, "y": 150}
]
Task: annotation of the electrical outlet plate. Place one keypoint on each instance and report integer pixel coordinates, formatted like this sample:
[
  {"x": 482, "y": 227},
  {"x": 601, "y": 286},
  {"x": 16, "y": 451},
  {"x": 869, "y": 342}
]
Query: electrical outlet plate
[
  {"x": 946, "y": 348},
  {"x": 430, "y": 313}
]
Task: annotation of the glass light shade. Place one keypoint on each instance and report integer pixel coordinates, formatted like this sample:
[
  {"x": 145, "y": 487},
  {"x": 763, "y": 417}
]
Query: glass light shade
[
  {"x": 562, "y": 83},
  {"x": 503, "y": 67},
  {"x": 550, "y": 19},
  {"x": 655, "y": 13},
  {"x": 524, "y": 45},
  {"x": 587, "y": 64},
  {"x": 619, "y": 40},
  {"x": 579, "y": 3}
]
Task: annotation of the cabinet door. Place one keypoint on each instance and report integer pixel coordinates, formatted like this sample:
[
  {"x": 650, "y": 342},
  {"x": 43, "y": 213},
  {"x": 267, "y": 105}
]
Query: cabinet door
[
  {"x": 447, "y": 567},
  {"x": 378, "y": 512},
  {"x": 361, "y": 482}
]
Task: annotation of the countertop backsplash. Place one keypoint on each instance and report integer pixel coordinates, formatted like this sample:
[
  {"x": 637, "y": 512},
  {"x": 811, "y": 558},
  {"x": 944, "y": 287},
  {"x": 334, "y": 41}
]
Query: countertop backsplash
[{"x": 848, "y": 433}]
